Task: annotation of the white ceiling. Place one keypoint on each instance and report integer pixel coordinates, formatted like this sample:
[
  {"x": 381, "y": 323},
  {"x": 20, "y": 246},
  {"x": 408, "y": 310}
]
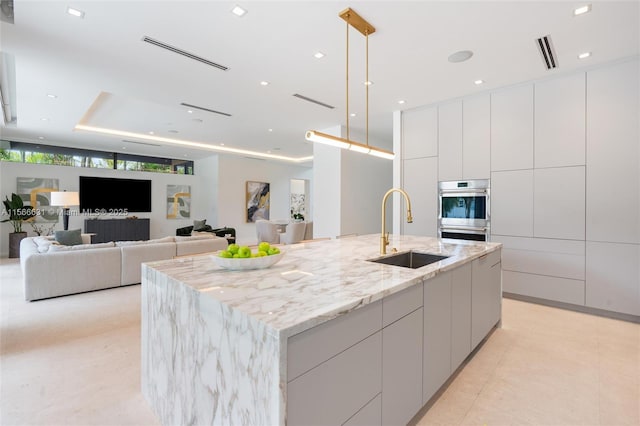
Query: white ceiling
[{"x": 78, "y": 59}]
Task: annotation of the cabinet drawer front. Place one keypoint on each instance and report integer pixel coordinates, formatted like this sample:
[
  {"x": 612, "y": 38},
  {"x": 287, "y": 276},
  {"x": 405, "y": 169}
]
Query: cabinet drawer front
[
  {"x": 490, "y": 259},
  {"x": 400, "y": 304},
  {"x": 333, "y": 391},
  {"x": 369, "y": 415},
  {"x": 316, "y": 345}
]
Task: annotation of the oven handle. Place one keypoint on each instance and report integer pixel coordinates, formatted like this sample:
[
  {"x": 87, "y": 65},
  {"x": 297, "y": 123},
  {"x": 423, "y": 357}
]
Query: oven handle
[
  {"x": 464, "y": 228},
  {"x": 470, "y": 191}
]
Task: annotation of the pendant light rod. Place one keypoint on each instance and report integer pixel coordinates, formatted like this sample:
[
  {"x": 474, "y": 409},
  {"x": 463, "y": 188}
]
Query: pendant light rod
[{"x": 366, "y": 29}]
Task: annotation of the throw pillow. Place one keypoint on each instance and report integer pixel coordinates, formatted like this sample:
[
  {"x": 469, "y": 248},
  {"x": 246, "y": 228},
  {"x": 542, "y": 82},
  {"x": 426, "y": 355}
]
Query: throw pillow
[
  {"x": 199, "y": 225},
  {"x": 69, "y": 238},
  {"x": 55, "y": 248}
]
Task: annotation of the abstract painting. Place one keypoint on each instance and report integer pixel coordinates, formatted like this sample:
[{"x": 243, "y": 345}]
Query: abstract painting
[
  {"x": 36, "y": 192},
  {"x": 178, "y": 201},
  {"x": 257, "y": 201}
]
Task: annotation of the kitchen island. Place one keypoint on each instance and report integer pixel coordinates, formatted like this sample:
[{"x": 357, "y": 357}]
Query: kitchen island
[{"x": 323, "y": 337}]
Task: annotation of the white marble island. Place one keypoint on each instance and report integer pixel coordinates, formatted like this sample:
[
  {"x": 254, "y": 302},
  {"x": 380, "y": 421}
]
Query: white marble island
[{"x": 322, "y": 337}]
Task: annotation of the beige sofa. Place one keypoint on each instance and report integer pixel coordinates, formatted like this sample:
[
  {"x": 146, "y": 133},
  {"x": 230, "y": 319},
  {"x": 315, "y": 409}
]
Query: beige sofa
[{"x": 50, "y": 270}]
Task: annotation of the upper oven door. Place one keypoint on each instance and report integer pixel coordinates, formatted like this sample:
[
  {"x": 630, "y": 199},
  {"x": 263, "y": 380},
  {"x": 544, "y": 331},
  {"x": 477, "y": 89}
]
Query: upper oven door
[{"x": 464, "y": 208}]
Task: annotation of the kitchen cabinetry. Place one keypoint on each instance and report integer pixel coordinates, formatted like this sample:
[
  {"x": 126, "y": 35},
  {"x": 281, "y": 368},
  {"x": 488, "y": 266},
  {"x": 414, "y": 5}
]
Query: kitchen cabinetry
[
  {"x": 613, "y": 277},
  {"x": 401, "y": 355},
  {"x": 560, "y": 121},
  {"x": 460, "y": 315},
  {"x": 450, "y": 141},
  {"x": 436, "y": 355},
  {"x": 421, "y": 182},
  {"x": 512, "y": 128},
  {"x": 558, "y": 203},
  {"x": 486, "y": 295},
  {"x": 512, "y": 203},
  {"x": 476, "y": 137},
  {"x": 420, "y": 133},
  {"x": 613, "y": 160}
]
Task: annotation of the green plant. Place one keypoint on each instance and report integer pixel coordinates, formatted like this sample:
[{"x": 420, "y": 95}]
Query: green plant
[
  {"x": 17, "y": 212},
  {"x": 298, "y": 216}
]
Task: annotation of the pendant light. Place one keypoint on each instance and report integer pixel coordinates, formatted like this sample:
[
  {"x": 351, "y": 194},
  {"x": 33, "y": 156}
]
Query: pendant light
[{"x": 357, "y": 22}]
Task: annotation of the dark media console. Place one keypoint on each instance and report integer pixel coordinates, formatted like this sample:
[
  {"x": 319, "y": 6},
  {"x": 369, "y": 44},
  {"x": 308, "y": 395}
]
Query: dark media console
[{"x": 117, "y": 229}]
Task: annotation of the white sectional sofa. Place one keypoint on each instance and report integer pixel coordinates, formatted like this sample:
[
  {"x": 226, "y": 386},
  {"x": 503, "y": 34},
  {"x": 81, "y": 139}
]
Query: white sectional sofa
[{"x": 50, "y": 270}]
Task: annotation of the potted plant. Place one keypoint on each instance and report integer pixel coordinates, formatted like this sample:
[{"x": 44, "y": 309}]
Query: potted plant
[{"x": 18, "y": 213}]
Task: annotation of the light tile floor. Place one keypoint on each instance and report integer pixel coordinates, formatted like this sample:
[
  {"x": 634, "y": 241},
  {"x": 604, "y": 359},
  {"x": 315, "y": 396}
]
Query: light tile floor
[{"x": 75, "y": 360}]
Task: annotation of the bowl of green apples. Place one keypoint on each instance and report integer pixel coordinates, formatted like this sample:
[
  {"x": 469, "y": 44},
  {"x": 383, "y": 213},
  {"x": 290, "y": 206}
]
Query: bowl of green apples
[{"x": 240, "y": 258}]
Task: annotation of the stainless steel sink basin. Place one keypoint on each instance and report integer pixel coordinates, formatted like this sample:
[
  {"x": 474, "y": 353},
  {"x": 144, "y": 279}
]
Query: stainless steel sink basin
[{"x": 410, "y": 259}]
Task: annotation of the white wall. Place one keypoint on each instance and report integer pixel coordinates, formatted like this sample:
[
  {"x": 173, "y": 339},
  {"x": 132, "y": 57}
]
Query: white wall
[
  {"x": 349, "y": 187},
  {"x": 234, "y": 172},
  {"x": 69, "y": 180}
]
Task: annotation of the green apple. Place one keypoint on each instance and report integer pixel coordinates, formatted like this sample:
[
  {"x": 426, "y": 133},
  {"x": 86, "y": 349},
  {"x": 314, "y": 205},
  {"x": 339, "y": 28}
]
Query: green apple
[
  {"x": 263, "y": 246},
  {"x": 244, "y": 252},
  {"x": 236, "y": 256},
  {"x": 262, "y": 253},
  {"x": 233, "y": 248},
  {"x": 273, "y": 250},
  {"x": 225, "y": 253}
]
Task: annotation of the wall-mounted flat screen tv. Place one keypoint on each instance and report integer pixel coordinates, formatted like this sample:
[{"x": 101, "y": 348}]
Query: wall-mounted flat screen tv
[{"x": 114, "y": 195}]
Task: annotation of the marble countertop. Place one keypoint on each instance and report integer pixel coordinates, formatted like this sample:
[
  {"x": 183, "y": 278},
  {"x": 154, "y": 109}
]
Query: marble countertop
[{"x": 318, "y": 281}]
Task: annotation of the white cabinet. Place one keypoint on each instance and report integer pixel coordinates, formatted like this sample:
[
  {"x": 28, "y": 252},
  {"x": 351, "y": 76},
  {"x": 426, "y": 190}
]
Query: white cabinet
[
  {"x": 401, "y": 366},
  {"x": 421, "y": 183},
  {"x": 512, "y": 129},
  {"x": 460, "y": 315},
  {"x": 420, "y": 133},
  {"x": 486, "y": 295},
  {"x": 559, "y": 203},
  {"x": 613, "y": 277},
  {"x": 512, "y": 203},
  {"x": 315, "y": 398},
  {"x": 543, "y": 286},
  {"x": 369, "y": 415},
  {"x": 613, "y": 158},
  {"x": 476, "y": 137},
  {"x": 450, "y": 141},
  {"x": 560, "y": 122},
  {"x": 437, "y": 334}
]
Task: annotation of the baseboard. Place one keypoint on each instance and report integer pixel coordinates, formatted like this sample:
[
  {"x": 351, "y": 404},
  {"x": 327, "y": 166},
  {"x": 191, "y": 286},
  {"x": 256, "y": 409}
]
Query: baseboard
[{"x": 572, "y": 307}]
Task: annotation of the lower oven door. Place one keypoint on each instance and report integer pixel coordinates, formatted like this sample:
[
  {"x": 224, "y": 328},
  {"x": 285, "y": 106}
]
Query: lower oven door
[
  {"x": 465, "y": 233},
  {"x": 464, "y": 209}
]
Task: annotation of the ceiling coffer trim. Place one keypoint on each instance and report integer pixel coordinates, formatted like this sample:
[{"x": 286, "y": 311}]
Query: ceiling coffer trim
[
  {"x": 205, "y": 109},
  {"x": 304, "y": 98},
  {"x": 179, "y": 51},
  {"x": 545, "y": 47}
]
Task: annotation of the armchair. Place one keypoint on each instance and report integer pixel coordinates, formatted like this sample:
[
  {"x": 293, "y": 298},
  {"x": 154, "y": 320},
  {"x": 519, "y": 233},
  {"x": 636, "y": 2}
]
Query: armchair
[
  {"x": 267, "y": 231},
  {"x": 294, "y": 233}
]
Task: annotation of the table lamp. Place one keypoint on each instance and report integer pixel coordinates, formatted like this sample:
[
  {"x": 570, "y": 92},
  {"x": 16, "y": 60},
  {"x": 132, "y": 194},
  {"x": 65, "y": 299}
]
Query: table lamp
[{"x": 65, "y": 200}]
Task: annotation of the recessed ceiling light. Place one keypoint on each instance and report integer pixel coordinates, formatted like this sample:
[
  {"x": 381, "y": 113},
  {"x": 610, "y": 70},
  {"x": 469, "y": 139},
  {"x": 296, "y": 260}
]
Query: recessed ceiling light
[
  {"x": 271, "y": 130},
  {"x": 124, "y": 147},
  {"x": 401, "y": 102},
  {"x": 582, "y": 10},
  {"x": 478, "y": 82},
  {"x": 44, "y": 119},
  {"x": 152, "y": 132},
  {"x": 318, "y": 55},
  {"x": 460, "y": 56},
  {"x": 41, "y": 137},
  {"x": 75, "y": 12},
  {"x": 49, "y": 95},
  {"x": 238, "y": 11},
  {"x": 368, "y": 83},
  {"x": 190, "y": 111},
  {"x": 221, "y": 144},
  {"x": 264, "y": 83},
  {"x": 584, "y": 55},
  {"x": 353, "y": 114}
]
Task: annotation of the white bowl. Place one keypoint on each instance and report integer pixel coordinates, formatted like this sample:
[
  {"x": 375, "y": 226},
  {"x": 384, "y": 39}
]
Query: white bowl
[{"x": 236, "y": 264}]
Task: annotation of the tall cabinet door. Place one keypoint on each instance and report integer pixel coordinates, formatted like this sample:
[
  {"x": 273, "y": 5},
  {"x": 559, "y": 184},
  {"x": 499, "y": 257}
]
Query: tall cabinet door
[
  {"x": 613, "y": 170},
  {"x": 450, "y": 141},
  {"x": 486, "y": 295},
  {"x": 476, "y": 137},
  {"x": 421, "y": 183},
  {"x": 460, "y": 315},
  {"x": 512, "y": 129}
]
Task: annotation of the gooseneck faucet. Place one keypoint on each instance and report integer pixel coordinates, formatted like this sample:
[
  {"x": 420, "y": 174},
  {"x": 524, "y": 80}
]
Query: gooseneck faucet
[{"x": 384, "y": 237}]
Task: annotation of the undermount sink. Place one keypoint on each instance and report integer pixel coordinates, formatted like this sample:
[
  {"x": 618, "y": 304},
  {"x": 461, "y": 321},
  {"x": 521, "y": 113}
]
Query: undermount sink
[{"x": 410, "y": 259}]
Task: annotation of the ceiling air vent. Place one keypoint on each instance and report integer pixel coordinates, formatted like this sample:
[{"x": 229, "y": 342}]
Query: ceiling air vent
[
  {"x": 304, "y": 98},
  {"x": 173, "y": 49},
  {"x": 140, "y": 143},
  {"x": 545, "y": 46},
  {"x": 205, "y": 109}
]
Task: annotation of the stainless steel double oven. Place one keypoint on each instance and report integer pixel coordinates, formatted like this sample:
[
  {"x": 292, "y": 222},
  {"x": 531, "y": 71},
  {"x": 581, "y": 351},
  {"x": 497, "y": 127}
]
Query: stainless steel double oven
[{"x": 464, "y": 210}]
